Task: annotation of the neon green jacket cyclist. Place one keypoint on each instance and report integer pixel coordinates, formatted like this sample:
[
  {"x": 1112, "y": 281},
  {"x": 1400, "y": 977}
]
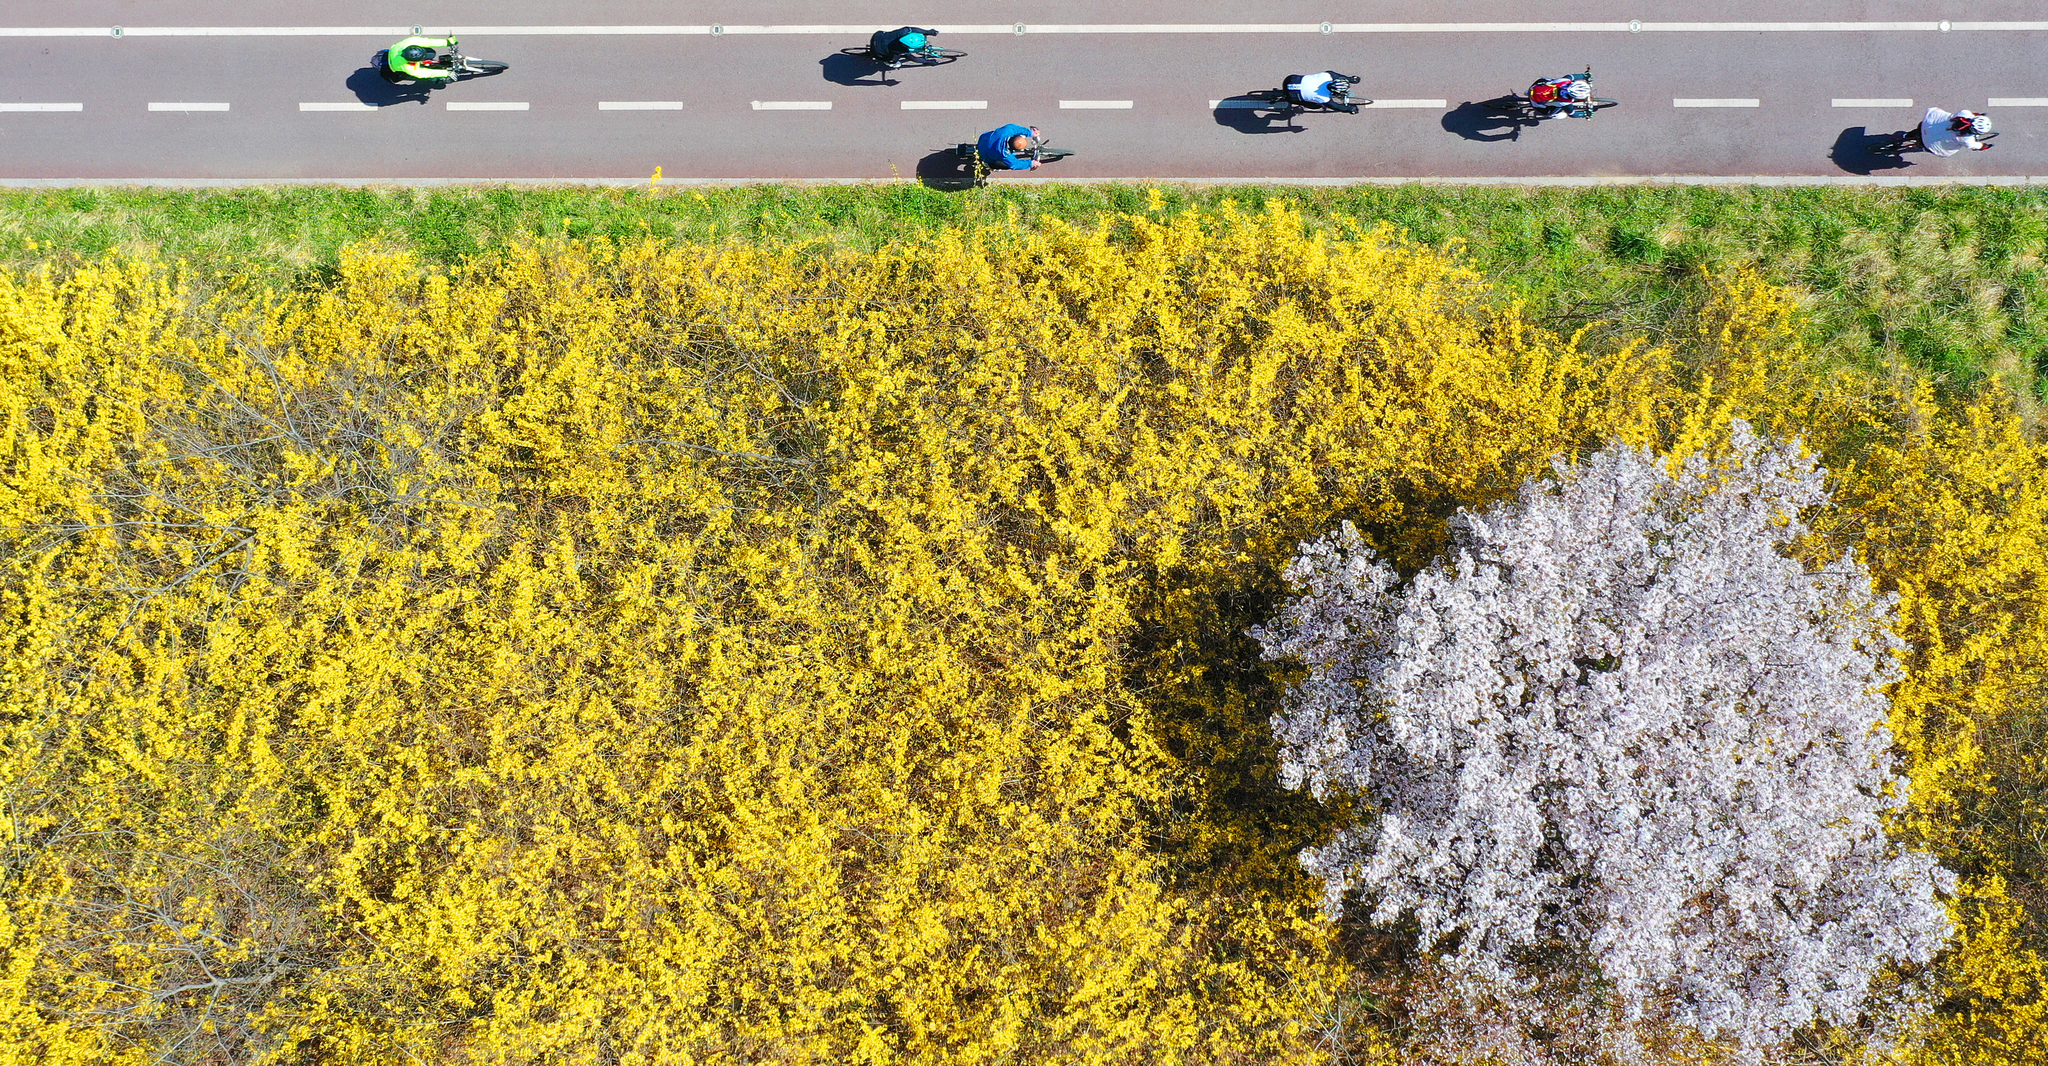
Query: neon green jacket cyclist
[{"x": 405, "y": 58}]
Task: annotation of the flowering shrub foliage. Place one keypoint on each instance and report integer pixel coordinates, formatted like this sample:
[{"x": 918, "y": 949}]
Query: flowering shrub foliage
[
  {"x": 726, "y": 652},
  {"x": 1623, "y": 719}
]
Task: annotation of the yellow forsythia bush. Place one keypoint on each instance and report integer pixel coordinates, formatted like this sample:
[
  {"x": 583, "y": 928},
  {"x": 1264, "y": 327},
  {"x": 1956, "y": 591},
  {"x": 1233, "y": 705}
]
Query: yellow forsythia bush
[{"x": 721, "y": 653}]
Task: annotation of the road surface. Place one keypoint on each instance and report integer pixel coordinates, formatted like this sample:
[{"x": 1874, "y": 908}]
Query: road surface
[{"x": 249, "y": 90}]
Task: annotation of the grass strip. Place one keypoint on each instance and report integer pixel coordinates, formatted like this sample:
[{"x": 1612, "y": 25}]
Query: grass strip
[{"x": 1947, "y": 280}]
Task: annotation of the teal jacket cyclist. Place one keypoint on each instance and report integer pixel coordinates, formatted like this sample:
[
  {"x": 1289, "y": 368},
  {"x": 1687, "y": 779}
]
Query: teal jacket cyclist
[
  {"x": 1008, "y": 148},
  {"x": 405, "y": 58}
]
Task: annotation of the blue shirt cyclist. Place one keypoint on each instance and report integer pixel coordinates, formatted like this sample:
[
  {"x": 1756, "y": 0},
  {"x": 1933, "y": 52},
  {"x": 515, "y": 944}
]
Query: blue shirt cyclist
[
  {"x": 1008, "y": 148},
  {"x": 890, "y": 46}
]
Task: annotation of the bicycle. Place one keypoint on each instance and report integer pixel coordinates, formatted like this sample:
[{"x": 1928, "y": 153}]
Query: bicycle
[
  {"x": 1283, "y": 101},
  {"x": 464, "y": 67},
  {"x": 1521, "y": 108},
  {"x": 930, "y": 55},
  {"x": 1040, "y": 151}
]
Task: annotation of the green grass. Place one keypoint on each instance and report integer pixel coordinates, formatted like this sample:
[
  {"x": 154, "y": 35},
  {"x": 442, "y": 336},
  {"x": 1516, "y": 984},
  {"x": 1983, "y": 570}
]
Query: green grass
[{"x": 1950, "y": 281}]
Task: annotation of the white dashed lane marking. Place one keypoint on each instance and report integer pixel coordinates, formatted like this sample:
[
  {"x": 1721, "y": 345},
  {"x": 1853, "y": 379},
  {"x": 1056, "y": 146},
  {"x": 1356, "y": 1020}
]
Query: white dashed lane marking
[
  {"x": 945, "y": 105},
  {"x": 1719, "y": 102},
  {"x": 2017, "y": 101},
  {"x": 1255, "y": 105},
  {"x": 792, "y": 105},
  {"x": 42, "y": 107},
  {"x": 639, "y": 105},
  {"x": 514, "y": 105},
  {"x": 1841, "y": 102},
  {"x": 187, "y": 107}
]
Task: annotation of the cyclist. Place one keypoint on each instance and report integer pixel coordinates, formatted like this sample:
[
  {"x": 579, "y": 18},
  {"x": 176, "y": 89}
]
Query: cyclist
[
  {"x": 1945, "y": 134},
  {"x": 1325, "y": 89},
  {"x": 1008, "y": 148},
  {"x": 408, "y": 59},
  {"x": 1561, "y": 96},
  {"x": 894, "y": 46}
]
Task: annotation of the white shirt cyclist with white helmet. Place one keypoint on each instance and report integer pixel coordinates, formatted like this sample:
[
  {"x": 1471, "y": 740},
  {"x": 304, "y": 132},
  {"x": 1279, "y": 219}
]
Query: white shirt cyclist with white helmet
[
  {"x": 1315, "y": 88},
  {"x": 1946, "y": 134}
]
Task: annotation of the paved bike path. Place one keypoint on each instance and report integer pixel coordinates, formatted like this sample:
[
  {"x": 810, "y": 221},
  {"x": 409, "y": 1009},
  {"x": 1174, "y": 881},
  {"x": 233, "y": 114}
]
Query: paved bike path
[{"x": 1769, "y": 97}]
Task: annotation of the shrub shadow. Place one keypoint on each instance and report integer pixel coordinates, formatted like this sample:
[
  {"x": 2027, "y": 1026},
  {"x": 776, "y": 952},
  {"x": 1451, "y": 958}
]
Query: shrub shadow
[
  {"x": 1235, "y": 114},
  {"x": 1233, "y": 828},
  {"x": 842, "y": 69},
  {"x": 946, "y": 172},
  {"x": 1479, "y": 122},
  {"x": 371, "y": 88},
  {"x": 1855, "y": 151}
]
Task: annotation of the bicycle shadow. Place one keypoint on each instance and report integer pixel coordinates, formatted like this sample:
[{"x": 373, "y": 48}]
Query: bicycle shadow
[
  {"x": 1247, "y": 115},
  {"x": 372, "y": 89},
  {"x": 1855, "y": 151},
  {"x": 1478, "y": 122},
  {"x": 947, "y": 172},
  {"x": 842, "y": 69}
]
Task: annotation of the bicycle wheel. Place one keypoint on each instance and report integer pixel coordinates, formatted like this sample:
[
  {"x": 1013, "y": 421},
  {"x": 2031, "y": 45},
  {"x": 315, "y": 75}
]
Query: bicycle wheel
[
  {"x": 1600, "y": 104},
  {"x": 1507, "y": 105},
  {"x": 1047, "y": 155},
  {"x": 858, "y": 53},
  {"x": 933, "y": 57},
  {"x": 482, "y": 68}
]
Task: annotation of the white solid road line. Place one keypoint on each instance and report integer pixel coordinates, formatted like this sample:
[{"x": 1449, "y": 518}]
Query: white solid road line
[
  {"x": 42, "y": 107},
  {"x": 1773, "y": 180},
  {"x": 1942, "y": 26},
  {"x": 1095, "y": 105},
  {"x": 1434, "y": 105},
  {"x": 792, "y": 105},
  {"x": 519, "y": 105},
  {"x": 1729, "y": 102},
  {"x": 1840, "y": 102},
  {"x": 349, "y": 106},
  {"x": 2017, "y": 101},
  {"x": 187, "y": 107},
  {"x": 639, "y": 105},
  {"x": 944, "y": 105}
]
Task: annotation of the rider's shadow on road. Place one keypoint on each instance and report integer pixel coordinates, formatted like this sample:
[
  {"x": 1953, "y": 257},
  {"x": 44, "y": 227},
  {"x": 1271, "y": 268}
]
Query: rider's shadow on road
[
  {"x": 1855, "y": 152},
  {"x": 1246, "y": 115},
  {"x": 1477, "y": 122},
  {"x": 947, "y": 172},
  {"x": 372, "y": 89},
  {"x": 842, "y": 69}
]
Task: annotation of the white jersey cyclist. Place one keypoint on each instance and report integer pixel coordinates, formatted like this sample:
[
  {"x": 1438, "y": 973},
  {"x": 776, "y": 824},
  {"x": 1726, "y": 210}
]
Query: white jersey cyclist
[
  {"x": 1324, "y": 88},
  {"x": 1946, "y": 134}
]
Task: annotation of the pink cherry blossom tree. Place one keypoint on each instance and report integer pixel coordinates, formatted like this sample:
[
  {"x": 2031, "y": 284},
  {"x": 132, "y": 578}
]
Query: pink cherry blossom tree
[{"x": 1620, "y": 719}]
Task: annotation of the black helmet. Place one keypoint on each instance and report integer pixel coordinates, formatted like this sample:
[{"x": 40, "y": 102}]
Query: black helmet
[{"x": 414, "y": 53}]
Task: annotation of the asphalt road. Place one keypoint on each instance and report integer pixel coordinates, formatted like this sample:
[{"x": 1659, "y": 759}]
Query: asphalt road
[{"x": 612, "y": 89}]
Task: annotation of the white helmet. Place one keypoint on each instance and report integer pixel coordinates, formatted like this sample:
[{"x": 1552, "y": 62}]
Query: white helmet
[
  {"x": 1340, "y": 87},
  {"x": 1579, "y": 90},
  {"x": 1979, "y": 124}
]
